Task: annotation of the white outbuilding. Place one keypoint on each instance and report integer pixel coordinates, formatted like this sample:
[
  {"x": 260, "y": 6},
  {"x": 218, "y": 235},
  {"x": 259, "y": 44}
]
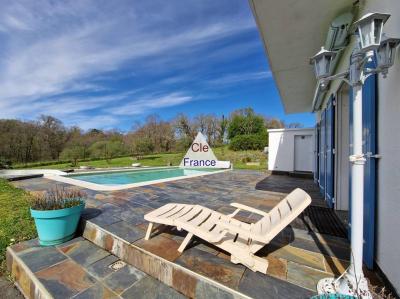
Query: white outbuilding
[{"x": 291, "y": 150}]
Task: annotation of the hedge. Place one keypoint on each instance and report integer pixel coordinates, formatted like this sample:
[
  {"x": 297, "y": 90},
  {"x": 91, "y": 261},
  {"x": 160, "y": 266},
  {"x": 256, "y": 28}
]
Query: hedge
[
  {"x": 248, "y": 142},
  {"x": 48, "y": 163}
]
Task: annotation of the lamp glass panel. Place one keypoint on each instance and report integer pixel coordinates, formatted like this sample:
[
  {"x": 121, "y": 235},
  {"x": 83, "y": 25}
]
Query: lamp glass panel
[
  {"x": 378, "y": 24},
  {"x": 327, "y": 64},
  {"x": 388, "y": 54},
  {"x": 321, "y": 67},
  {"x": 391, "y": 48},
  {"x": 364, "y": 36},
  {"x": 385, "y": 55},
  {"x": 370, "y": 33},
  {"x": 316, "y": 68},
  {"x": 381, "y": 54}
]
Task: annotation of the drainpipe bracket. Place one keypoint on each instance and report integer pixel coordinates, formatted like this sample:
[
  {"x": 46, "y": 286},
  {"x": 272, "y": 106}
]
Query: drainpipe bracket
[{"x": 357, "y": 159}]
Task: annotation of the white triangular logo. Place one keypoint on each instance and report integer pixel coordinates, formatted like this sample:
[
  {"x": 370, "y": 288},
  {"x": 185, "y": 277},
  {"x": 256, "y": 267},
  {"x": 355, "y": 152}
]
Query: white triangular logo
[{"x": 199, "y": 154}]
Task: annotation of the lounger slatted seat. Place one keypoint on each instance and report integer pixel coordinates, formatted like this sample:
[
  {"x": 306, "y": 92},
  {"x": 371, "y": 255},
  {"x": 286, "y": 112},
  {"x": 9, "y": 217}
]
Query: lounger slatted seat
[
  {"x": 242, "y": 240},
  {"x": 166, "y": 215}
]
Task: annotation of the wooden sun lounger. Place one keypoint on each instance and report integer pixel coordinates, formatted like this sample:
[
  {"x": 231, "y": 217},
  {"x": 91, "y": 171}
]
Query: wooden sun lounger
[{"x": 242, "y": 240}]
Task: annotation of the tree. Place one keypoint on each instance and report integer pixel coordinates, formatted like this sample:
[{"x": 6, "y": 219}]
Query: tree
[
  {"x": 54, "y": 135},
  {"x": 200, "y": 123},
  {"x": 274, "y": 123},
  {"x": 183, "y": 126},
  {"x": 107, "y": 149},
  {"x": 211, "y": 123},
  {"x": 48, "y": 139},
  {"x": 245, "y": 122},
  {"x": 295, "y": 125},
  {"x": 160, "y": 133},
  {"x": 143, "y": 147},
  {"x": 222, "y": 129},
  {"x": 98, "y": 150},
  {"x": 20, "y": 141},
  {"x": 207, "y": 124},
  {"x": 73, "y": 153},
  {"x": 246, "y": 130},
  {"x": 114, "y": 148}
]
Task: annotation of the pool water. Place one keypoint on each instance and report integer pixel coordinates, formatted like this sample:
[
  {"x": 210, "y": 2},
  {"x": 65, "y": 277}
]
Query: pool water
[{"x": 137, "y": 176}]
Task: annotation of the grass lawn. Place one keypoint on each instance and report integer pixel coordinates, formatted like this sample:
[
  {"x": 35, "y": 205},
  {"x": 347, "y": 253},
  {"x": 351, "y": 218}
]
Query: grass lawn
[
  {"x": 16, "y": 223},
  {"x": 241, "y": 158},
  {"x": 238, "y": 158}
]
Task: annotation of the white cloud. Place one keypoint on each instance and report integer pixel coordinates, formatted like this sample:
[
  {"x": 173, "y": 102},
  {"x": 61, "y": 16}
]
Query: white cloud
[
  {"x": 148, "y": 103},
  {"x": 60, "y": 58},
  {"x": 14, "y": 23},
  {"x": 240, "y": 77}
]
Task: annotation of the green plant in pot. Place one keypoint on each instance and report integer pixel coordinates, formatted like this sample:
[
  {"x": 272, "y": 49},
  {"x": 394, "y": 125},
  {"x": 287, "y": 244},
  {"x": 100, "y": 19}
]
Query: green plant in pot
[{"x": 56, "y": 214}]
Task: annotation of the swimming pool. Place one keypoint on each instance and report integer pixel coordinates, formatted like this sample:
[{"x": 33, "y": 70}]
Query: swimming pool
[
  {"x": 137, "y": 176},
  {"x": 123, "y": 179}
]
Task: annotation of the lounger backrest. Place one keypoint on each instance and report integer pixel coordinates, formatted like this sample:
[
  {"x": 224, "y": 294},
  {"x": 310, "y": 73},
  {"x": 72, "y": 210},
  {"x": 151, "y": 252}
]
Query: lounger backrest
[{"x": 281, "y": 215}]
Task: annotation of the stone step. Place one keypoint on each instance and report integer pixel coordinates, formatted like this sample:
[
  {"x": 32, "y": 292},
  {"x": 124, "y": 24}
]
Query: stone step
[
  {"x": 172, "y": 274},
  {"x": 199, "y": 272},
  {"x": 79, "y": 269},
  {"x": 203, "y": 270}
]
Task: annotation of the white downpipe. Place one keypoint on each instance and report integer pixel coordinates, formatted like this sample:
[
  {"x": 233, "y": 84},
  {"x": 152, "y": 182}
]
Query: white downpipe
[
  {"x": 357, "y": 187},
  {"x": 353, "y": 282}
]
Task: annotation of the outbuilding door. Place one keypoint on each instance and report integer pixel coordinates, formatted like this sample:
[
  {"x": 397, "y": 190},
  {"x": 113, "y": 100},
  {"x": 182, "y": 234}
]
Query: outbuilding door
[
  {"x": 302, "y": 153},
  {"x": 369, "y": 149}
]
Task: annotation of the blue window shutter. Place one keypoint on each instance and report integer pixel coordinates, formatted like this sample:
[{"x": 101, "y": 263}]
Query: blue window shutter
[
  {"x": 330, "y": 157},
  {"x": 322, "y": 153}
]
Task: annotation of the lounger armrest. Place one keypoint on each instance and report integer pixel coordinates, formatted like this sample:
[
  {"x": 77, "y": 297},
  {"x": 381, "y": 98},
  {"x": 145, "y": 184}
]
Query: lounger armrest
[{"x": 240, "y": 206}]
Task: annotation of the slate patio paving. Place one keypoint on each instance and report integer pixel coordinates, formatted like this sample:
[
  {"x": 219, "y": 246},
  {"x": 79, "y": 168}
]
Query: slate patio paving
[
  {"x": 80, "y": 270},
  {"x": 298, "y": 257}
]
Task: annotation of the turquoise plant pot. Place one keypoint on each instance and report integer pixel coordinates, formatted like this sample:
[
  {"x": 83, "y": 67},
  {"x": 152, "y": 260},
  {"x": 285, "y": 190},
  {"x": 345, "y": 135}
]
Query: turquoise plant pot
[
  {"x": 57, "y": 226},
  {"x": 333, "y": 296}
]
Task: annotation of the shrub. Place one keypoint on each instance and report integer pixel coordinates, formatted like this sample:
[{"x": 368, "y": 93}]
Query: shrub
[
  {"x": 107, "y": 149},
  {"x": 4, "y": 163},
  {"x": 246, "y": 159},
  {"x": 56, "y": 199},
  {"x": 248, "y": 142},
  {"x": 143, "y": 147},
  {"x": 74, "y": 153},
  {"x": 245, "y": 122},
  {"x": 183, "y": 144}
]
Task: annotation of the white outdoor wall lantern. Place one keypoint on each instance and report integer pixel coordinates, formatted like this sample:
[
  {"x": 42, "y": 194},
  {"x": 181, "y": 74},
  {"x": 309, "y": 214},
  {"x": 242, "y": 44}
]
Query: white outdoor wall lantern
[
  {"x": 385, "y": 54},
  {"x": 369, "y": 29},
  {"x": 322, "y": 63}
]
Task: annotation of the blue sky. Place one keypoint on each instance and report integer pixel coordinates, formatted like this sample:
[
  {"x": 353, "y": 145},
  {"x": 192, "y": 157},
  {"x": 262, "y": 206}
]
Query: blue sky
[{"x": 108, "y": 64}]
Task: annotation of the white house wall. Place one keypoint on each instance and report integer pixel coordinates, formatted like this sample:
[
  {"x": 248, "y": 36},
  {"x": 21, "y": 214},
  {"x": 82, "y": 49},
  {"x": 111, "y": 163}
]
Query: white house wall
[
  {"x": 388, "y": 184},
  {"x": 388, "y": 134}
]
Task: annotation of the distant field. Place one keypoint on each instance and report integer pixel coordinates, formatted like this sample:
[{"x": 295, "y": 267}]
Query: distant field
[{"x": 239, "y": 160}]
